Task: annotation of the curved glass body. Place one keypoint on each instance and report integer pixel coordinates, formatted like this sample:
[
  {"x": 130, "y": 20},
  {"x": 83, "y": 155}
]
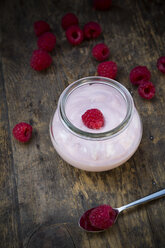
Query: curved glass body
[{"x": 107, "y": 147}]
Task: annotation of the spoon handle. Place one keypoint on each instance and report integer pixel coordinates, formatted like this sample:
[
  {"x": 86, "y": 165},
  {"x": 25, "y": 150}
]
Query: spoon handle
[{"x": 143, "y": 200}]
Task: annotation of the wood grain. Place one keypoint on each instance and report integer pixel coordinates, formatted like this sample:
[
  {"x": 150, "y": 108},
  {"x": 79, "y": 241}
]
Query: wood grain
[
  {"x": 10, "y": 227},
  {"x": 41, "y": 196}
]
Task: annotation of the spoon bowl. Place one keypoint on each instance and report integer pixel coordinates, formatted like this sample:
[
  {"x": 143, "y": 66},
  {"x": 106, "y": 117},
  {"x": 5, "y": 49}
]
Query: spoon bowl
[{"x": 84, "y": 222}]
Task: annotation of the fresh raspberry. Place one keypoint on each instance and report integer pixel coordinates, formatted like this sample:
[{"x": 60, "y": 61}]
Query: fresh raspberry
[
  {"x": 41, "y": 27},
  {"x": 74, "y": 35},
  {"x": 100, "y": 52},
  {"x": 102, "y": 217},
  {"x": 47, "y": 41},
  {"x": 146, "y": 89},
  {"x": 102, "y": 4},
  {"x": 68, "y": 20},
  {"x": 40, "y": 60},
  {"x": 161, "y": 64},
  {"x": 92, "y": 30},
  {"x": 85, "y": 222},
  {"x": 107, "y": 69},
  {"x": 138, "y": 74},
  {"x": 93, "y": 118},
  {"x": 22, "y": 132}
]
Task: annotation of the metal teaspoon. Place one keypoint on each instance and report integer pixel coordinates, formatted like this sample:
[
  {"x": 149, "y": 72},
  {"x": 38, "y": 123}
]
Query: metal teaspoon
[{"x": 84, "y": 221}]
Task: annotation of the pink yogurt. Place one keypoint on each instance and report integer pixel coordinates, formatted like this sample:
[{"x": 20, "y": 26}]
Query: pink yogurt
[{"x": 89, "y": 149}]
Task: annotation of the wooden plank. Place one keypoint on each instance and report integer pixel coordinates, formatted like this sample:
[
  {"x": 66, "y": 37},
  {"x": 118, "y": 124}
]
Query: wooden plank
[{"x": 10, "y": 228}]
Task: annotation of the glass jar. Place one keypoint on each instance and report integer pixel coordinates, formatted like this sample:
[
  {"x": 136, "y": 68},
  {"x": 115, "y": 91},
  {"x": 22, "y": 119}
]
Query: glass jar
[{"x": 105, "y": 148}]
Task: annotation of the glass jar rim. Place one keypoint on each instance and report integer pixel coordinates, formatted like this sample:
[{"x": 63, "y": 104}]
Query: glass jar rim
[{"x": 95, "y": 80}]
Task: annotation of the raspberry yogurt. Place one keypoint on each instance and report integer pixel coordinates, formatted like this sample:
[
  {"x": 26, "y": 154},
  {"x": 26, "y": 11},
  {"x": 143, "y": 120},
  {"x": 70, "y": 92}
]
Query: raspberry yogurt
[{"x": 96, "y": 149}]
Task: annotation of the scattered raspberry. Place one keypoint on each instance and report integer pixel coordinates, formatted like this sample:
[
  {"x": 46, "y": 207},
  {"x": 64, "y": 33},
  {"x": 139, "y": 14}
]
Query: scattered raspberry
[
  {"x": 92, "y": 30},
  {"x": 68, "y": 20},
  {"x": 40, "y": 60},
  {"x": 146, "y": 89},
  {"x": 74, "y": 35},
  {"x": 138, "y": 74},
  {"x": 41, "y": 27},
  {"x": 93, "y": 118},
  {"x": 100, "y": 52},
  {"x": 102, "y": 217},
  {"x": 47, "y": 41},
  {"x": 161, "y": 64},
  {"x": 102, "y": 4},
  {"x": 22, "y": 132},
  {"x": 107, "y": 69}
]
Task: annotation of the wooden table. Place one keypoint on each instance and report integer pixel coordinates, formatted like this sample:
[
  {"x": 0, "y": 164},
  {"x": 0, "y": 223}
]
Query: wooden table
[{"x": 41, "y": 196}]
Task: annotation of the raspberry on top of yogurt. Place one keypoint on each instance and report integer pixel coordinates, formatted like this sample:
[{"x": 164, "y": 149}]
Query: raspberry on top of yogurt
[{"x": 93, "y": 119}]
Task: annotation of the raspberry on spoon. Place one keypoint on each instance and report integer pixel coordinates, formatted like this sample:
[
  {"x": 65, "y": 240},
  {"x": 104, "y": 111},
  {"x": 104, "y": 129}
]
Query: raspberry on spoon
[
  {"x": 98, "y": 219},
  {"x": 102, "y": 217},
  {"x": 85, "y": 222}
]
